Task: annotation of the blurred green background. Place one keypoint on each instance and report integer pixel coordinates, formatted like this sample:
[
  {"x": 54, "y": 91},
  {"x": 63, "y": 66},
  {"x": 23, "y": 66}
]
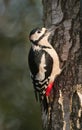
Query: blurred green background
[{"x": 18, "y": 107}]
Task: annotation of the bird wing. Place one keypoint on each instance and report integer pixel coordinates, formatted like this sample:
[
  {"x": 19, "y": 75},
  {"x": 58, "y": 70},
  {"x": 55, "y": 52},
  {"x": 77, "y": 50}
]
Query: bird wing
[{"x": 40, "y": 64}]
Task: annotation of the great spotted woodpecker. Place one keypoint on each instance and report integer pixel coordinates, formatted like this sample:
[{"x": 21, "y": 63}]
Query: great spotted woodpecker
[{"x": 43, "y": 63}]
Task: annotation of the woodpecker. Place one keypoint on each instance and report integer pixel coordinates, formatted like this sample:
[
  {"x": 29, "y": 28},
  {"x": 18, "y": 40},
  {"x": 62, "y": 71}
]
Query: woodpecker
[{"x": 44, "y": 64}]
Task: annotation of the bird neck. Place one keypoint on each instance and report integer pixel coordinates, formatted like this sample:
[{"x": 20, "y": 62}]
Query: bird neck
[
  {"x": 37, "y": 41},
  {"x": 42, "y": 43}
]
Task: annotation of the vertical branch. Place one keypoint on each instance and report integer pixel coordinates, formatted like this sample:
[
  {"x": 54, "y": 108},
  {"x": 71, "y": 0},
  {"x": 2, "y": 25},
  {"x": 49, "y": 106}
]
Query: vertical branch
[{"x": 66, "y": 97}]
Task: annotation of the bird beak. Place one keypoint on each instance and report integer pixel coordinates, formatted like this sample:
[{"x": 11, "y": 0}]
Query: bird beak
[{"x": 49, "y": 31}]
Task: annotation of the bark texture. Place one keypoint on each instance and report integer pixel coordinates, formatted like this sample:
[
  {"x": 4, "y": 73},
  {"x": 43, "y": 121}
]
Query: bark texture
[{"x": 66, "y": 96}]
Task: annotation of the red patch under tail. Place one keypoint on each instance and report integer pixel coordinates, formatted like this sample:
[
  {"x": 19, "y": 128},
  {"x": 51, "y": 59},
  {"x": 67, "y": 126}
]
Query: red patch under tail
[{"x": 49, "y": 88}]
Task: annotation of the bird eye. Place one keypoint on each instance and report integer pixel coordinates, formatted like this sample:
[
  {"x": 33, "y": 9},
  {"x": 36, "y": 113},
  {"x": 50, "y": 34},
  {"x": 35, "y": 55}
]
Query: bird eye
[{"x": 38, "y": 31}]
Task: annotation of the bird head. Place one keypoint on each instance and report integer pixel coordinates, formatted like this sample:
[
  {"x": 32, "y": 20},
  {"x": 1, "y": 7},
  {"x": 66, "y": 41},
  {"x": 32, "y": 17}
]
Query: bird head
[{"x": 38, "y": 33}]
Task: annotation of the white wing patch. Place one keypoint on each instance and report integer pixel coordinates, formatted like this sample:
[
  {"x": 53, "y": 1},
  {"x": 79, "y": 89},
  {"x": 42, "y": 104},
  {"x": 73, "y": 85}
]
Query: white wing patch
[{"x": 41, "y": 75}]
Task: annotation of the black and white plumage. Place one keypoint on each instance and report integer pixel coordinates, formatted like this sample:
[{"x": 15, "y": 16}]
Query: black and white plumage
[{"x": 43, "y": 63}]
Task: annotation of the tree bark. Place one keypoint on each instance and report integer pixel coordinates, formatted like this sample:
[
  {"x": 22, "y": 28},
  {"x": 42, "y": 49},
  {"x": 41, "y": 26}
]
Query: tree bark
[{"x": 66, "y": 96}]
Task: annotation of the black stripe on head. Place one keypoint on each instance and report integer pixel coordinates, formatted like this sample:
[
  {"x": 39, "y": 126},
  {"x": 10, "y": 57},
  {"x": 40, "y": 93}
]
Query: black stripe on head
[{"x": 33, "y": 31}]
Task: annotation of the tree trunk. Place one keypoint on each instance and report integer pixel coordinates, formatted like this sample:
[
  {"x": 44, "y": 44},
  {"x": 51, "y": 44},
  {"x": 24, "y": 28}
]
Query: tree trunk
[{"x": 66, "y": 103}]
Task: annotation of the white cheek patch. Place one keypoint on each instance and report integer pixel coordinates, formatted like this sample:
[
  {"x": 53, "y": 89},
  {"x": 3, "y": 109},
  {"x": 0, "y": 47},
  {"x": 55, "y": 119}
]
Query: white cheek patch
[
  {"x": 37, "y": 35},
  {"x": 34, "y": 37},
  {"x": 41, "y": 75}
]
